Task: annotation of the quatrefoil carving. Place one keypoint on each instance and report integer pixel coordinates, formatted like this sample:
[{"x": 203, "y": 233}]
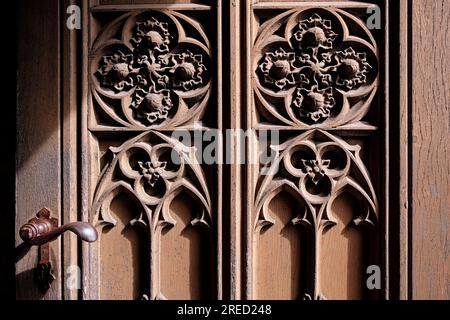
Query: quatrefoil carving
[
  {"x": 155, "y": 74},
  {"x": 312, "y": 71}
]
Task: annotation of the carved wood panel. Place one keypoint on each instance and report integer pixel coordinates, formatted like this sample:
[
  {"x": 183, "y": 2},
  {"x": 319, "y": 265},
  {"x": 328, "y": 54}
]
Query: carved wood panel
[
  {"x": 316, "y": 75},
  {"x": 152, "y": 70},
  {"x": 314, "y": 219}
]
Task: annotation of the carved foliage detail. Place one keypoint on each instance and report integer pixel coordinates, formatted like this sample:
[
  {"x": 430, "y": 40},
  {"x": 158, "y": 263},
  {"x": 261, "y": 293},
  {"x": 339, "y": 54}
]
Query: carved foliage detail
[
  {"x": 155, "y": 74},
  {"x": 311, "y": 71}
]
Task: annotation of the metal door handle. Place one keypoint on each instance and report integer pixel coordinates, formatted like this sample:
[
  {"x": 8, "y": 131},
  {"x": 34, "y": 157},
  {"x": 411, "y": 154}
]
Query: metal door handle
[{"x": 43, "y": 229}]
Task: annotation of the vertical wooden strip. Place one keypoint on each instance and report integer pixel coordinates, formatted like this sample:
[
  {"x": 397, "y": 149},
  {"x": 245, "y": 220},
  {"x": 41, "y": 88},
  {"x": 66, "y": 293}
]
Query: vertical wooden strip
[
  {"x": 386, "y": 150},
  {"x": 69, "y": 206},
  {"x": 431, "y": 150},
  {"x": 251, "y": 175},
  {"x": 89, "y": 161},
  {"x": 235, "y": 185},
  {"x": 404, "y": 150},
  {"x": 220, "y": 233},
  {"x": 38, "y": 157},
  {"x": 88, "y": 278}
]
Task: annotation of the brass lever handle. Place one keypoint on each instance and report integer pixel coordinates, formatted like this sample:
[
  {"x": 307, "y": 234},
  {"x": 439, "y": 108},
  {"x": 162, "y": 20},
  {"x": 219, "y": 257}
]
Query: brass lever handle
[{"x": 43, "y": 229}]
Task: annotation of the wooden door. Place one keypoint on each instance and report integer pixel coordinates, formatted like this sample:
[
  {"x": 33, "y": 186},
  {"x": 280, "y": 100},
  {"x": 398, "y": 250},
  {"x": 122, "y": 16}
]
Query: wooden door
[{"x": 311, "y": 113}]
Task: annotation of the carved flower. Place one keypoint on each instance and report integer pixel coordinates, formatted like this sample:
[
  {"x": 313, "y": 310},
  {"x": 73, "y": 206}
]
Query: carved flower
[
  {"x": 277, "y": 68},
  {"x": 152, "y": 35},
  {"x": 153, "y": 70},
  {"x": 315, "y": 32},
  {"x": 188, "y": 70},
  {"x": 352, "y": 68},
  {"x": 151, "y": 171},
  {"x": 316, "y": 169},
  {"x": 152, "y": 105},
  {"x": 116, "y": 71},
  {"x": 314, "y": 104}
]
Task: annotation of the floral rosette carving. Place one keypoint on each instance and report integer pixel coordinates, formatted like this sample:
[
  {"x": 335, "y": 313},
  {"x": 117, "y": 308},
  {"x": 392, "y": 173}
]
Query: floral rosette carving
[
  {"x": 311, "y": 71},
  {"x": 148, "y": 71}
]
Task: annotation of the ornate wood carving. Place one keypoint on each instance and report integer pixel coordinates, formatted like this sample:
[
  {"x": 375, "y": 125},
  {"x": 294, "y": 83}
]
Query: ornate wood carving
[
  {"x": 316, "y": 168},
  {"x": 315, "y": 76},
  {"x": 311, "y": 70},
  {"x": 150, "y": 72},
  {"x": 152, "y": 69},
  {"x": 144, "y": 169}
]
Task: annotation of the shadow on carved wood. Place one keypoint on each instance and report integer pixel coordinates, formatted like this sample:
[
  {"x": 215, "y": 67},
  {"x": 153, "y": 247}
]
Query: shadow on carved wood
[
  {"x": 343, "y": 253},
  {"x": 186, "y": 255},
  {"x": 125, "y": 252},
  {"x": 281, "y": 253}
]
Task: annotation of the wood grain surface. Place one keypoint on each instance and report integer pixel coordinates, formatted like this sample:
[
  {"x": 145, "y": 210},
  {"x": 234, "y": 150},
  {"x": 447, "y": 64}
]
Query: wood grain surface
[
  {"x": 430, "y": 150},
  {"x": 38, "y": 155}
]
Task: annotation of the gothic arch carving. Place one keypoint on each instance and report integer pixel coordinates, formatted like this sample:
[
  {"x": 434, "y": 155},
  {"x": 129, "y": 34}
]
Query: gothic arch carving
[
  {"x": 316, "y": 167},
  {"x": 153, "y": 169}
]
